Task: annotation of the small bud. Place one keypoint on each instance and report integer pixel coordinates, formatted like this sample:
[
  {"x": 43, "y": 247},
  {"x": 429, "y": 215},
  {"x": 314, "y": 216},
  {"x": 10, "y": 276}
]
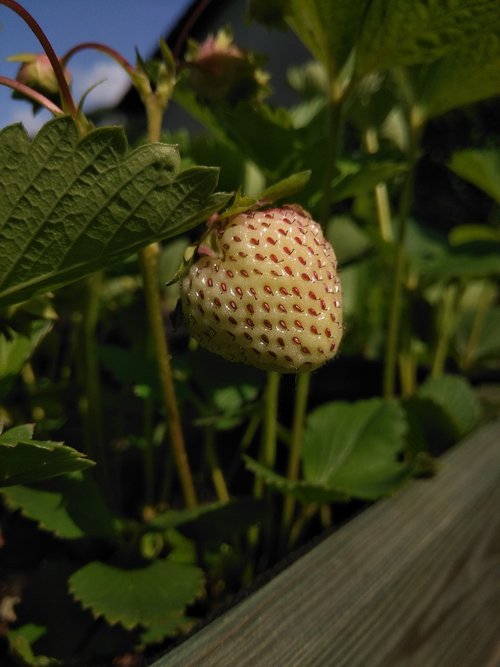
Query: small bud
[
  {"x": 219, "y": 69},
  {"x": 36, "y": 72}
]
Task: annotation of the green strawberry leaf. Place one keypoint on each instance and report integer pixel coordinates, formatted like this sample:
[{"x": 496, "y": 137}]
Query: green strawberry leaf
[
  {"x": 71, "y": 206},
  {"x": 70, "y": 507},
  {"x": 410, "y": 32},
  {"x": 454, "y": 395},
  {"x": 306, "y": 492},
  {"x": 139, "y": 596},
  {"x": 349, "y": 450},
  {"x": 463, "y": 77},
  {"x": 355, "y": 448},
  {"x": 24, "y": 460},
  {"x": 481, "y": 167},
  {"x": 328, "y": 28},
  {"x": 356, "y": 179}
]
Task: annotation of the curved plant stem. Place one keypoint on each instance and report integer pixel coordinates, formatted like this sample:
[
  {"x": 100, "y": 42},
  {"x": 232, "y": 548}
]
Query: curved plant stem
[
  {"x": 299, "y": 414},
  {"x": 47, "y": 47},
  {"x": 31, "y": 94},
  {"x": 103, "y": 48},
  {"x": 398, "y": 275}
]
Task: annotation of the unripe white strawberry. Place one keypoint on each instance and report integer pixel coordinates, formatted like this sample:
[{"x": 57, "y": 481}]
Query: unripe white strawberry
[{"x": 264, "y": 290}]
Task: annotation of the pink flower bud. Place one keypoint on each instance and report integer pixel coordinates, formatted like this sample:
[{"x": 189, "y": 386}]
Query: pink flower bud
[
  {"x": 36, "y": 72},
  {"x": 219, "y": 69}
]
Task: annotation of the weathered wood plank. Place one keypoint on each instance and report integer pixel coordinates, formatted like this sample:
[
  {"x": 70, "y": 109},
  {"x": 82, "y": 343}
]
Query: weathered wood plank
[{"x": 412, "y": 582}]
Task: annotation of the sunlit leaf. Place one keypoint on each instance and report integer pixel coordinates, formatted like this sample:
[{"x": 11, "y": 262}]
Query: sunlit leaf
[{"x": 69, "y": 206}]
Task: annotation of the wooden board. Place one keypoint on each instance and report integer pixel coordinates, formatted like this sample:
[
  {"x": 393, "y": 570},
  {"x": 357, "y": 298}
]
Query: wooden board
[{"x": 414, "y": 581}]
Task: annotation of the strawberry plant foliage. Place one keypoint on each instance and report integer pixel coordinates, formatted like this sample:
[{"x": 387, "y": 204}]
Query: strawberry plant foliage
[
  {"x": 132, "y": 596},
  {"x": 24, "y": 460},
  {"x": 69, "y": 207}
]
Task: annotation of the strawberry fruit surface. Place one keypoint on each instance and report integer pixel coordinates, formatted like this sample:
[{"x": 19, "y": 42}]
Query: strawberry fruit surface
[{"x": 263, "y": 289}]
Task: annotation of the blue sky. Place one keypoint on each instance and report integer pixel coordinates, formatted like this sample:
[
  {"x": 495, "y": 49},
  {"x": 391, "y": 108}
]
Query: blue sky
[{"x": 121, "y": 24}]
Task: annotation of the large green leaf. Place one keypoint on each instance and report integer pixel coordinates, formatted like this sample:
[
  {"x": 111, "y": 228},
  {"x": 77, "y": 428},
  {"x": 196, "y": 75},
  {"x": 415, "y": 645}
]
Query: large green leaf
[
  {"x": 328, "y": 28},
  {"x": 137, "y": 596},
  {"x": 349, "y": 450},
  {"x": 70, "y": 507},
  {"x": 16, "y": 348},
  {"x": 464, "y": 76},
  {"x": 481, "y": 167},
  {"x": 70, "y": 206},
  {"x": 24, "y": 460},
  {"x": 410, "y": 32},
  {"x": 355, "y": 447}
]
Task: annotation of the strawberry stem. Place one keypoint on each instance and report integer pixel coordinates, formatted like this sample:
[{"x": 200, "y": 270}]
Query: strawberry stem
[
  {"x": 31, "y": 94},
  {"x": 398, "y": 276},
  {"x": 299, "y": 415},
  {"x": 148, "y": 259}
]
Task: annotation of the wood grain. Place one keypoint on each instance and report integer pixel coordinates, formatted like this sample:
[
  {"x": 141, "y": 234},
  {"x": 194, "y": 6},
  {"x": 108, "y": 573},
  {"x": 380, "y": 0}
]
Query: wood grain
[{"x": 414, "y": 581}]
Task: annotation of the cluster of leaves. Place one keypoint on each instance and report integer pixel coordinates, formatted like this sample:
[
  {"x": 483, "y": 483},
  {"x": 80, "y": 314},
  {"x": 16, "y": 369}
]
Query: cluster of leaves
[{"x": 116, "y": 563}]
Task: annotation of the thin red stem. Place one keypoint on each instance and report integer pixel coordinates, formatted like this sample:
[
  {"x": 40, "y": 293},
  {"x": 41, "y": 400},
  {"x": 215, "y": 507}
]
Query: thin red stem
[
  {"x": 32, "y": 94},
  {"x": 47, "y": 47},
  {"x": 97, "y": 46}
]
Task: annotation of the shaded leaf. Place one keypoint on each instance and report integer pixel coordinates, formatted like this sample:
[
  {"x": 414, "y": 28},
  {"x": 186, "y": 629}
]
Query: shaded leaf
[
  {"x": 470, "y": 260},
  {"x": 454, "y": 395},
  {"x": 463, "y": 77},
  {"x": 70, "y": 507},
  {"x": 409, "y": 32},
  {"x": 214, "y": 522},
  {"x": 481, "y": 167},
  {"x": 20, "y": 641},
  {"x": 357, "y": 179},
  {"x": 349, "y": 240},
  {"x": 69, "y": 206},
  {"x": 23, "y": 460},
  {"x": 137, "y": 596}
]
